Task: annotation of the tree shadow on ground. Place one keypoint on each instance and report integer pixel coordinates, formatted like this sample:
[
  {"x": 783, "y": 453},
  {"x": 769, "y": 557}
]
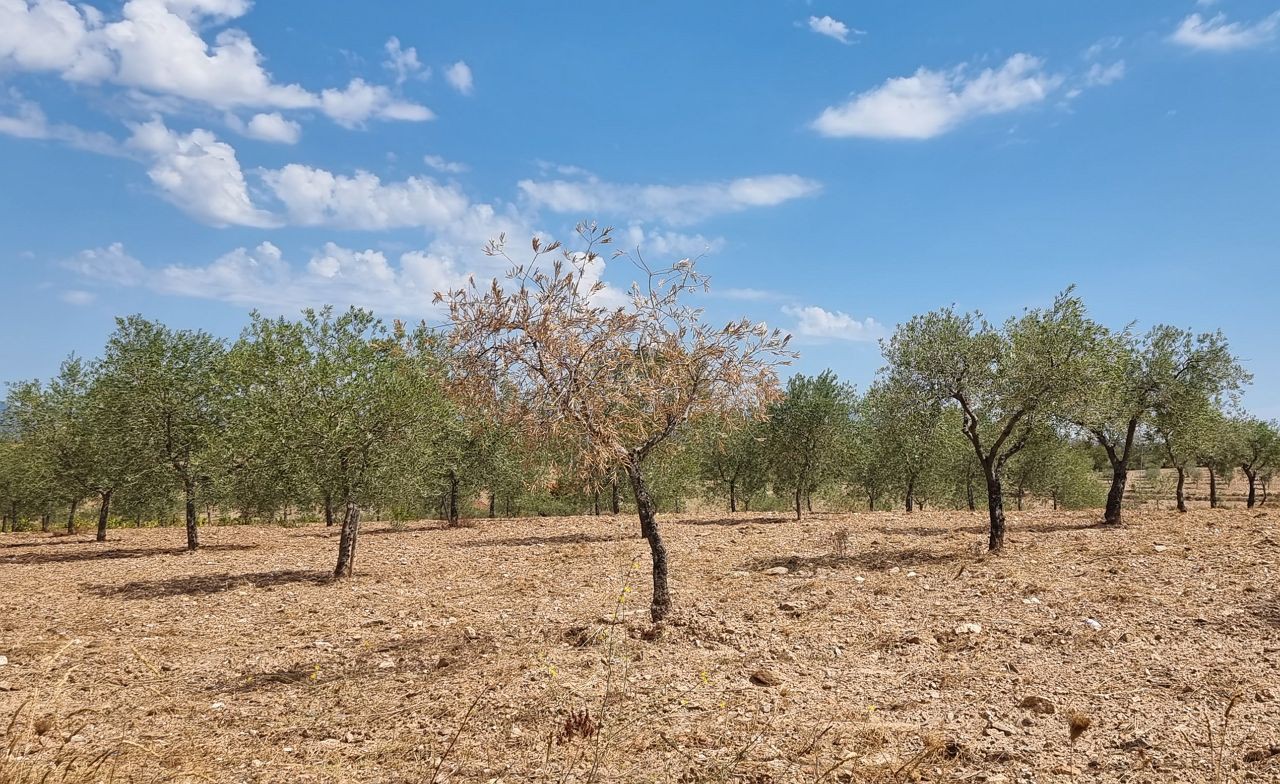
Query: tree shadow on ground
[
  {"x": 736, "y": 521},
  {"x": 52, "y": 539},
  {"x": 925, "y": 530},
  {"x": 204, "y": 585},
  {"x": 872, "y": 559},
  {"x": 116, "y": 553},
  {"x": 559, "y": 539},
  {"x": 1062, "y": 525}
]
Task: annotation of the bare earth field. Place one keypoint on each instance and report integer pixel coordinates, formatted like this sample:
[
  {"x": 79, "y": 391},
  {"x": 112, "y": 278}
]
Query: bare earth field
[{"x": 471, "y": 654}]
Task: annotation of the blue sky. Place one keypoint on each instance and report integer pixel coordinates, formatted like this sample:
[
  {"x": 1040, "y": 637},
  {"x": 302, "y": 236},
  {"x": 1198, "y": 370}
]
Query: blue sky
[{"x": 841, "y": 165}]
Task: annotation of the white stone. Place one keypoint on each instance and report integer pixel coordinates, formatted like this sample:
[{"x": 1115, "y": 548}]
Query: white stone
[{"x": 969, "y": 628}]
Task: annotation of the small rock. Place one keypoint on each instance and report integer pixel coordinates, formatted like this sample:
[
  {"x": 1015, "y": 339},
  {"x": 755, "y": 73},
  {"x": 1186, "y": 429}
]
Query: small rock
[
  {"x": 765, "y": 677},
  {"x": 217, "y": 706},
  {"x": 4, "y": 660},
  {"x": 1135, "y": 744},
  {"x": 792, "y": 606},
  {"x": 777, "y": 570},
  {"x": 1031, "y": 600},
  {"x": 894, "y": 570},
  {"x": 912, "y": 574},
  {"x": 740, "y": 574},
  {"x": 969, "y": 628},
  {"x": 859, "y": 579},
  {"x": 1093, "y": 624},
  {"x": 1160, "y": 548},
  {"x": 470, "y": 633},
  {"x": 386, "y": 664},
  {"x": 1037, "y": 704}
]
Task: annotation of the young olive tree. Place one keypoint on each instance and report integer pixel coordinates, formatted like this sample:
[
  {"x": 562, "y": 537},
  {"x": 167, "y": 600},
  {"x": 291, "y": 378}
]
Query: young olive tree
[
  {"x": 1259, "y": 451},
  {"x": 731, "y": 457},
  {"x": 1181, "y": 426},
  {"x": 164, "y": 393},
  {"x": 620, "y": 379},
  {"x": 1130, "y": 379},
  {"x": 902, "y": 430},
  {"x": 1004, "y": 380},
  {"x": 807, "y": 429}
]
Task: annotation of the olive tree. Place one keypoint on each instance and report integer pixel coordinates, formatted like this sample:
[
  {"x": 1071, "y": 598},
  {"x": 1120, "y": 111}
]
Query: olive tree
[
  {"x": 1005, "y": 380},
  {"x": 806, "y": 431},
  {"x": 901, "y": 427},
  {"x": 1131, "y": 378},
  {"x": 620, "y": 374},
  {"x": 731, "y": 457},
  {"x": 1259, "y": 442}
]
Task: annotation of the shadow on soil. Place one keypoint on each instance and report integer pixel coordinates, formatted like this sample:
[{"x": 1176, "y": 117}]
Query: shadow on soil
[
  {"x": 205, "y": 585},
  {"x": 532, "y": 541},
  {"x": 873, "y": 559},
  {"x": 736, "y": 521},
  {"x": 119, "y": 552}
]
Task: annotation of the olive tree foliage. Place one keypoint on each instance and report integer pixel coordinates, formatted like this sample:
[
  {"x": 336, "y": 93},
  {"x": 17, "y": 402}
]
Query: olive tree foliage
[
  {"x": 1005, "y": 380},
  {"x": 901, "y": 427},
  {"x": 1053, "y": 466},
  {"x": 350, "y": 400},
  {"x": 1184, "y": 427},
  {"x": 164, "y": 391},
  {"x": 622, "y": 374},
  {"x": 1258, "y": 445},
  {"x": 1130, "y": 379},
  {"x": 731, "y": 457},
  {"x": 808, "y": 427}
]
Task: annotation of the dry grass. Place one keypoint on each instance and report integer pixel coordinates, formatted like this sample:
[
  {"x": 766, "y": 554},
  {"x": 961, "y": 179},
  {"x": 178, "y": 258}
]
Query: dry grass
[{"x": 519, "y": 651}]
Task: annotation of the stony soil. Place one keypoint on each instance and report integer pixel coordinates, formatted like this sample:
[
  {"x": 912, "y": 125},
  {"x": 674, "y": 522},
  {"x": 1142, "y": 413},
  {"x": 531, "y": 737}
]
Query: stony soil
[{"x": 519, "y": 650}]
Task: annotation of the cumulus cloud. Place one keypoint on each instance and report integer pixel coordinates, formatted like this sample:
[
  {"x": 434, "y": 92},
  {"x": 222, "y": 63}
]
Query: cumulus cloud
[
  {"x": 261, "y": 277},
  {"x": 443, "y": 165},
  {"x": 25, "y": 119},
  {"x": 674, "y": 204},
  {"x": 832, "y": 28},
  {"x": 815, "y": 322},
  {"x": 316, "y": 197},
  {"x": 1219, "y": 35},
  {"x": 1100, "y": 75},
  {"x": 271, "y": 127},
  {"x": 199, "y": 174},
  {"x": 670, "y": 244},
  {"x": 403, "y": 62},
  {"x": 930, "y": 103},
  {"x": 459, "y": 77},
  {"x": 157, "y": 47}
]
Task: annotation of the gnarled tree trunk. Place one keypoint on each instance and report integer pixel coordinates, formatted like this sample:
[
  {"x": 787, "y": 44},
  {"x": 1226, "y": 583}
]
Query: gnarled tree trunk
[
  {"x": 453, "y": 499},
  {"x": 1180, "y": 493},
  {"x": 104, "y": 509},
  {"x": 995, "y": 508},
  {"x": 71, "y": 517},
  {"x": 1213, "y": 488},
  {"x": 328, "y": 510},
  {"x": 347, "y": 541},
  {"x": 733, "y": 495},
  {"x": 193, "y": 536},
  {"x": 911, "y": 495},
  {"x": 1253, "y": 487},
  {"x": 1115, "y": 496},
  {"x": 648, "y": 512}
]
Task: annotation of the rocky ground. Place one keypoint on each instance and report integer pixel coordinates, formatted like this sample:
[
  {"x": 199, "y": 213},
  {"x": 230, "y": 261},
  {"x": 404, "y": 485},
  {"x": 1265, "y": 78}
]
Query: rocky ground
[{"x": 845, "y": 648}]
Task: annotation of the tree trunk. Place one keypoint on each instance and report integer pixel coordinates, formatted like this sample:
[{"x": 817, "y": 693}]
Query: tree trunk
[
  {"x": 1115, "y": 496},
  {"x": 1213, "y": 488},
  {"x": 595, "y": 502},
  {"x": 1180, "y": 494},
  {"x": 493, "y": 504},
  {"x": 648, "y": 513},
  {"x": 798, "y": 498},
  {"x": 911, "y": 496},
  {"x": 328, "y": 510},
  {"x": 968, "y": 488},
  {"x": 995, "y": 508},
  {"x": 208, "y": 514},
  {"x": 1018, "y": 497},
  {"x": 733, "y": 496},
  {"x": 808, "y": 502},
  {"x": 453, "y": 499},
  {"x": 1253, "y": 490},
  {"x": 616, "y": 500},
  {"x": 104, "y": 509},
  {"x": 44, "y": 521},
  {"x": 71, "y": 517},
  {"x": 193, "y": 536},
  {"x": 347, "y": 541}
]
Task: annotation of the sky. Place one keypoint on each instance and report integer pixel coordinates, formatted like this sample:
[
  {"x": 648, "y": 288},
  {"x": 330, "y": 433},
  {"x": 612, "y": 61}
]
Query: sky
[{"x": 837, "y": 167}]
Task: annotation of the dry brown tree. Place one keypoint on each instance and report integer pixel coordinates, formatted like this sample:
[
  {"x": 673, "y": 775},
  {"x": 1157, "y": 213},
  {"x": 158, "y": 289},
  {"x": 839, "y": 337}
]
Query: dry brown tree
[{"x": 573, "y": 361}]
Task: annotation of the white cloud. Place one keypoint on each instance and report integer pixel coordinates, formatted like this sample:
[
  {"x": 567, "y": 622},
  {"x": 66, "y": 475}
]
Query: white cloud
[
  {"x": 359, "y": 101},
  {"x": 199, "y": 174},
  {"x": 1099, "y": 75},
  {"x": 748, "y": 294},
  {"x": 443, "y": 165},
  {"x": 273, "y": 127},
  {"x": 832, "y": 28},
  {"x": 1219, "y": 35},
  {"x": 25, "y": 119},
  {"x": 459, "y": 77},
  {"x": 156, "y": 47},
  {"x": 316, "y": 197},
  {"x": 261, "y": 277},
  {"x": 77, "y": 297},
  {"x": 815, "y": 322},
  {"x": 931, "y": 103},
  {"x": 671, "y": 244},
  {"x": 1101, "y": 47},
  {"x": 403, "y": 63},
  {"x": 674, "y": 204}
]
